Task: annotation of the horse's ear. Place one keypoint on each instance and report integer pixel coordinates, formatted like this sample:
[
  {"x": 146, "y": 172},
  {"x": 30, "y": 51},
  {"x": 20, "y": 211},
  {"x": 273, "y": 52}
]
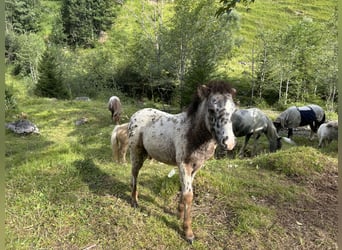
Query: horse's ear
[{"x": 203, "y": 91}]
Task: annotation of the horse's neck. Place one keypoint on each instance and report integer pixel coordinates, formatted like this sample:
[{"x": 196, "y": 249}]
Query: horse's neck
[{"x": 198, "y": 133}]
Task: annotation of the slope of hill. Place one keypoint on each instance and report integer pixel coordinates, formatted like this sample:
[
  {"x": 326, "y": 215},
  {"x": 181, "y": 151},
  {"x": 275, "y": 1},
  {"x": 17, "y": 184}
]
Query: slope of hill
[
  {"x": 63, "y": 191},
  {"x": 273, "y": 15}
]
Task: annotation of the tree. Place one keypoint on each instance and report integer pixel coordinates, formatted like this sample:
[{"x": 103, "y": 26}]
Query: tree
[
  {"x": 198, "y": 41},
  {"x": 50, "y": 83},
  {"x": 26, "y": 51},
  {"x": 227, "y": 6},
  {"x": 22, "y": 15},
  {"x": 291, "y": 58},
  {"x": 83, "y": 20}
]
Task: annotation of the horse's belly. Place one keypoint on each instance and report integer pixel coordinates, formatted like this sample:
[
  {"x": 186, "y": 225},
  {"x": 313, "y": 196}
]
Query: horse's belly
[{"x": 160, "y": 148}]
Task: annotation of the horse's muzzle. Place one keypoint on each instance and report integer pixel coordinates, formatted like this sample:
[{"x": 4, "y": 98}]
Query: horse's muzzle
[{"x": 229, "y": 143}]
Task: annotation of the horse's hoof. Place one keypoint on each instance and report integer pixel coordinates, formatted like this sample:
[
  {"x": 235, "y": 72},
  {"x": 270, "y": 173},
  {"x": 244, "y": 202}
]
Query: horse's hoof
[
  {"x": 190, "y": 241},
  {"x": 134, "y": 204}
]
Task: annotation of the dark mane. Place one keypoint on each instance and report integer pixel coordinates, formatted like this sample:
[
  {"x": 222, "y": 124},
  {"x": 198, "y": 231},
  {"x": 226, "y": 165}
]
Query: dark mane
[{"x": 214, "y": 86}]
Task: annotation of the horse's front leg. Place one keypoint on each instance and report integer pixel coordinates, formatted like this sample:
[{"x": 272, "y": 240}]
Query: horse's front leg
[
  {"x": 312, "y": 133},
  {"x": 185, "y": 203},
  {"x": 242, "y": 150},
  {"x": 256, "y": 138}
]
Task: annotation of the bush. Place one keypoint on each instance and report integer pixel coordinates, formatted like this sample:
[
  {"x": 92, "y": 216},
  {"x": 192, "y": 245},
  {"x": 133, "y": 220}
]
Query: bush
[{"x": 10, "y": 101}]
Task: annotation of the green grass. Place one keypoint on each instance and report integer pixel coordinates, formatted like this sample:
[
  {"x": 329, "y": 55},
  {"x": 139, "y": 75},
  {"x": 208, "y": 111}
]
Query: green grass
[{"x": 64, "y": 192}]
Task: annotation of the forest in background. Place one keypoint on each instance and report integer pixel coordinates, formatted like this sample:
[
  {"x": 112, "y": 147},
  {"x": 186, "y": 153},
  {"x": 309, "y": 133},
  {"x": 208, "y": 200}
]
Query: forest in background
[{"x": 276, "y": 53}]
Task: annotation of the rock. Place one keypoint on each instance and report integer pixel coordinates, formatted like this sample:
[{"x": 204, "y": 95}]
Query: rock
[
  {"x": 82, "y": 98},
  {"x": 22, "y": 127},
  {"x": 81, "y": 121}
]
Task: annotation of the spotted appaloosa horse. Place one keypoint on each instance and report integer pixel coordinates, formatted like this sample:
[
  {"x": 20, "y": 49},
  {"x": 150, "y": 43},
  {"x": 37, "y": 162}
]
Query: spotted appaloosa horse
[
  {"x": 248, "y": 122},
  {"x": 114, "y": 106},
  {"x": 119, "y": 142},
  {"x": 186, "y": 139},
  {"x": 294, "y": 117}
]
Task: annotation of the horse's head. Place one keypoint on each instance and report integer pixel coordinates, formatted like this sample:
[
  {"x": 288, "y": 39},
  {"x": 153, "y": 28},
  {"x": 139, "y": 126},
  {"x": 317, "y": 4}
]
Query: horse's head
[{"x": 220, "y": 107}]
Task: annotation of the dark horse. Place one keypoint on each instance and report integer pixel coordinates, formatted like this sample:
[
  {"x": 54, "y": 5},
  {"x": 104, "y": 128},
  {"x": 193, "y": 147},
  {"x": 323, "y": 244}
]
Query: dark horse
[
  {"x": 294, "y": 117},
  {"x": 248, "y": 122},
  {"x": 186, "y": 139}
]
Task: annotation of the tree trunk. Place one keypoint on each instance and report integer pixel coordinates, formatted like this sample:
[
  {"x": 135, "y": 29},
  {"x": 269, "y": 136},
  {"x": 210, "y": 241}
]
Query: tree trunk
[
  {"x": 286, "y": 90},
  {"x": 280, "y": 86}
]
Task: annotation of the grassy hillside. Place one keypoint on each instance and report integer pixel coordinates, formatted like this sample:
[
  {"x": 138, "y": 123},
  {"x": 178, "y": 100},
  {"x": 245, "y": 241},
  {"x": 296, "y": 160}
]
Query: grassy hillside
[
  {"x": 273, "y": 15},
  {"x": 63, "y": 191}
]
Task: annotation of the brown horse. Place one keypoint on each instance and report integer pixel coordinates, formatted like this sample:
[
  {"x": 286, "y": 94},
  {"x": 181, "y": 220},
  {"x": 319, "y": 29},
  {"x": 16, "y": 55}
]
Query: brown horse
[
  {"x": 119, "y": 142},
  {"x": 114, "y": 106},
  {"x": 186, "y": 139}
]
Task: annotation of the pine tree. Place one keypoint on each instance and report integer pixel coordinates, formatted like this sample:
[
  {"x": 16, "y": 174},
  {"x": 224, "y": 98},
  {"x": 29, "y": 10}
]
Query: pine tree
[
  {"x": 83, "y": 20},
  {"x": 50, "y": 82}
]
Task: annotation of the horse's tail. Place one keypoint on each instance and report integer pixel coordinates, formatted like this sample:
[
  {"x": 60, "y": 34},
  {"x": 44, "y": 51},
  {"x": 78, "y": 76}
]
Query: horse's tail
[{"x": 115, "y": 144}]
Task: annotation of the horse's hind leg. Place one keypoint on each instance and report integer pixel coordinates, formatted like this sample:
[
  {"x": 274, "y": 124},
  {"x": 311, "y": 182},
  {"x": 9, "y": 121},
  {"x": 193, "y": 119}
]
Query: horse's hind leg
[
  {"x": 137, "y": 158},
  {"x": 115, "y": 150},
  {"x": 123, "y": 152}
]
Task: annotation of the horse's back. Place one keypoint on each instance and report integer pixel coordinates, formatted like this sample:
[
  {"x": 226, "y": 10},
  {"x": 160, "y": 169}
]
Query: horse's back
[
  {"x": 157, "y": 132},
  {"x": 319, "y": 112},
  {"x": 247, "y": 121},
  {"x": 328, "y": 130},
  {"x": 114, "y": 102},
  {"x": 290, "y": 118}
]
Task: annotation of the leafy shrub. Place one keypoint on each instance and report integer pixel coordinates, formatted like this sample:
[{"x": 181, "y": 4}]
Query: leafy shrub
[{"x": 10, "y": 101}]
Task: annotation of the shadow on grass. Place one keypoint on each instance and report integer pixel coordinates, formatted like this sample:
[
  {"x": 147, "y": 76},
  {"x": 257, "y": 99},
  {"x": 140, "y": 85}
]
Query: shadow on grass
[
  {"x": 20, "y": 148},
  {"x": 101, "y": 183}
]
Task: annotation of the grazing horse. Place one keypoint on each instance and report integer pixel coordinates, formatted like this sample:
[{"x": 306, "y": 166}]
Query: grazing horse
[
  {"x": 119, "y": 142},
  {"x": 114, "y": 106},
  {"x": 294, "y": 117},
  {"x": 186, "y": 139},
  {"x": 327, "y": 132},
  {"x": 248, "y": 122}
]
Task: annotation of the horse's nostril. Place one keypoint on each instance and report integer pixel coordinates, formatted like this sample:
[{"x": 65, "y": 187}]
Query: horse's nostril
[
  {"x": 228, "y": 143},
  {"x": 224, "y": 139}
]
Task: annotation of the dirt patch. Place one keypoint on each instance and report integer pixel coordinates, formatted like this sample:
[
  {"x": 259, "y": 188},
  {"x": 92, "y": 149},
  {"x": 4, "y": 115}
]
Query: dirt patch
[
  {"x": 311, "y": 221},
  {"x": 308, "y": 222}
]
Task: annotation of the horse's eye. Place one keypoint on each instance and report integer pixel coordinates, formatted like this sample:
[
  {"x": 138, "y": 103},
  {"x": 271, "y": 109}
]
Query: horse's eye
[{"x": 211, "y": 111}]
